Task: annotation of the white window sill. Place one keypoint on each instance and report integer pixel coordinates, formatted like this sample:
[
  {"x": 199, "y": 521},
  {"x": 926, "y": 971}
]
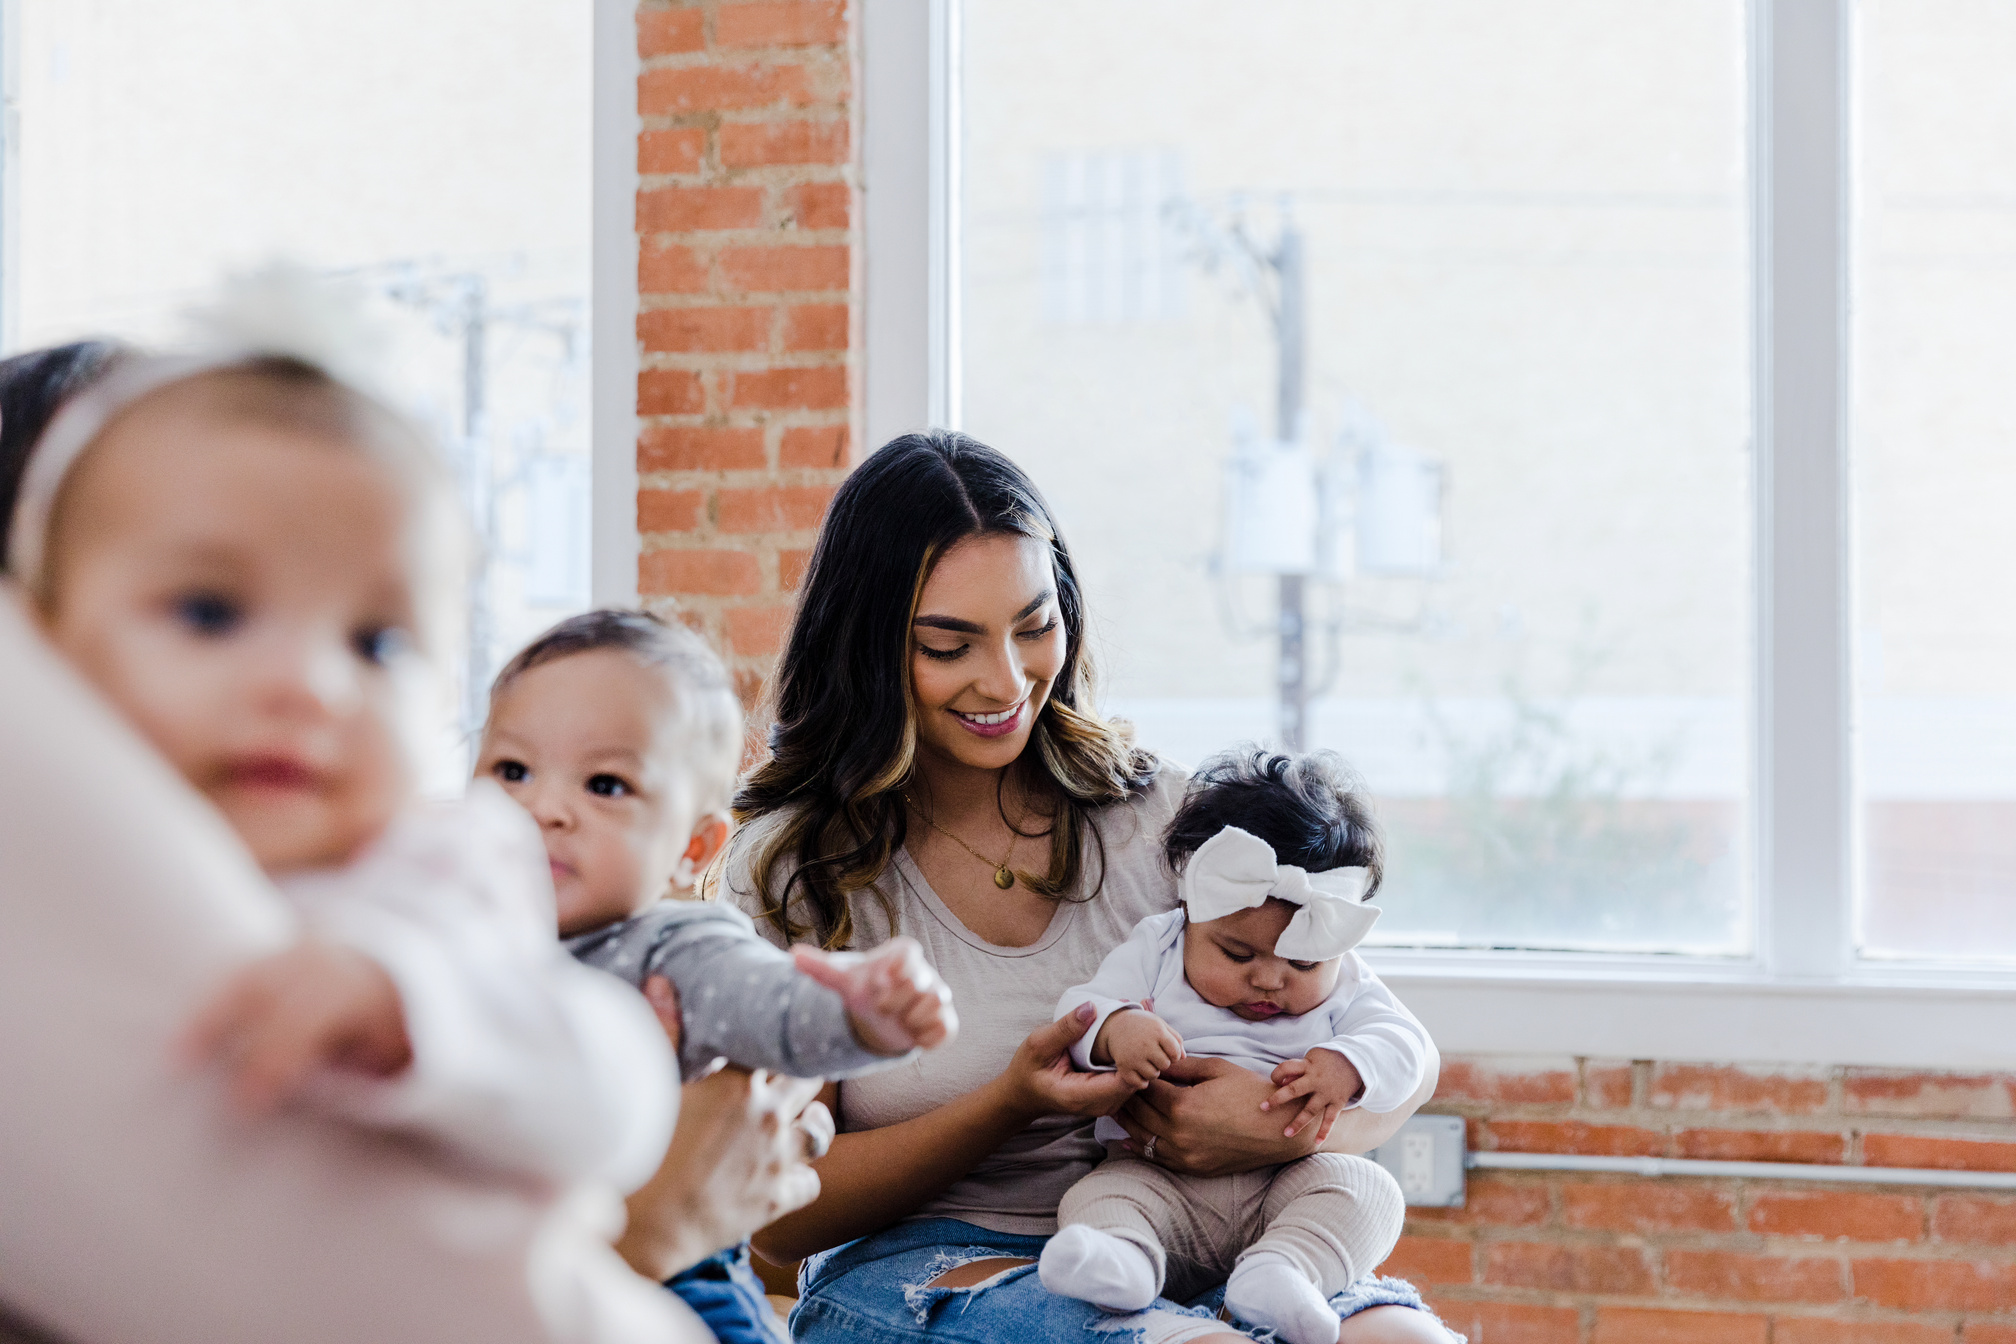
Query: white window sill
[{"x": 1671, "y": 1008}]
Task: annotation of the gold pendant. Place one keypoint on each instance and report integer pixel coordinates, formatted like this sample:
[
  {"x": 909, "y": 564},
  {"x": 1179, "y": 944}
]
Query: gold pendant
[{"x": 1003, "y": 878}]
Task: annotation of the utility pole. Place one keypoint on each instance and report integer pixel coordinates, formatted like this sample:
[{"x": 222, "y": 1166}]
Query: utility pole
[
  {"x": 1286, "y": 303},
  {"x": 1291, "y": 353}
]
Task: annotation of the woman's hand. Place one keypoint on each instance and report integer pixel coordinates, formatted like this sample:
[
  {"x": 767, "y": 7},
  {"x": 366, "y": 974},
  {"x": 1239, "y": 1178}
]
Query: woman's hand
[
  {"x": 737, "y": 1162},
  {"x": 1212, "y": 1126},
  {"x": 1041, "y": 1080}
]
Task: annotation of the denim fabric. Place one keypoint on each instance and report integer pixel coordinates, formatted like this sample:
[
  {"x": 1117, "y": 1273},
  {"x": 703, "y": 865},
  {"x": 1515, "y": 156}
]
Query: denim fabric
[
  {"x": 723, "y": 1291},
  {"x": 874, "y": 1291}
]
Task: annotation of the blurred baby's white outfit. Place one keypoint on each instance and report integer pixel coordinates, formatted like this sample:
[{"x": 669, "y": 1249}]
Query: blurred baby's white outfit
[
  {"x": 1325, "y": 1219},
  {"x": 523, "y": 1059}
]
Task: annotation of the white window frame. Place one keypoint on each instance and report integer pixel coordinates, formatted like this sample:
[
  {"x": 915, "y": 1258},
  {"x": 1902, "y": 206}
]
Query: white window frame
[
  {"x": 1804, "y": 996},
  {"x": 612, "y": 395}
]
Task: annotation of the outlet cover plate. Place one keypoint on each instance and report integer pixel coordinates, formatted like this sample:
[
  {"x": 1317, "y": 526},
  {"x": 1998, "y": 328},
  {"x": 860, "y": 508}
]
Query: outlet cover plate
[{"x": 1426, "y": 1157}]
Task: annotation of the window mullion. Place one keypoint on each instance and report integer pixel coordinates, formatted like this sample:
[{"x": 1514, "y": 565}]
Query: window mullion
[{"x": 1803, "y": 691}]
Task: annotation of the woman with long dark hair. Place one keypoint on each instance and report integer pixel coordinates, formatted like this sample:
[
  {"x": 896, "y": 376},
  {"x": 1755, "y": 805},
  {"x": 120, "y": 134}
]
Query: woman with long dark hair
[{"x": 938, "y": 766}]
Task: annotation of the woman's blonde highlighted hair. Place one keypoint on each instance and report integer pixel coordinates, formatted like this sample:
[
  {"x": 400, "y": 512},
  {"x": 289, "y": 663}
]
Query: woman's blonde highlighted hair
[{"x": 844, "y": 737}]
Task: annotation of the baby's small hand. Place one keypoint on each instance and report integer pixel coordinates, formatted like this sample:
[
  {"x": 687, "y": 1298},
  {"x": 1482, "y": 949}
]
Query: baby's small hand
[
  {"x": 315, "y": 1005},
  {"x": 1326, "y": 1078},
  {"x": 1139, "y": 1044},
  {"x": 895, "y": 1001}
]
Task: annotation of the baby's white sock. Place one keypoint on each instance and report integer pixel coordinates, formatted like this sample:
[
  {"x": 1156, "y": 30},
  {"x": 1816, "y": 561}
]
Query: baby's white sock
[
  {"x": 1099, "y": 1268},
  {"x": 1266, "y": 1290}
]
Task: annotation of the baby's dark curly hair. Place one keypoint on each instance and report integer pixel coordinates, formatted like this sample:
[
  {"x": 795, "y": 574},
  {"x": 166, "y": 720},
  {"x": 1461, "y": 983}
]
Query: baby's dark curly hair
[{"x": 1310, "y": 808}]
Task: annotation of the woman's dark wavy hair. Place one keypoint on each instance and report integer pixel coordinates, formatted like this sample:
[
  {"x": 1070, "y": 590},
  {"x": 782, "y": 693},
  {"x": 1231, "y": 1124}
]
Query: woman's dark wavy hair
[
  {"x": 33, "y": 387},
  {"x": 844, "y": 737},
  {"x": 1310, "y": 808}
]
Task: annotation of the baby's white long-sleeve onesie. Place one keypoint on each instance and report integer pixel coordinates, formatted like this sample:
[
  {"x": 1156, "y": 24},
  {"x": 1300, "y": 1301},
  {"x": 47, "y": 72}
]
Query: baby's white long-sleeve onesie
[
  {"x": 1361, "y": 1019},
  {"x": 523, "y": 1059}
]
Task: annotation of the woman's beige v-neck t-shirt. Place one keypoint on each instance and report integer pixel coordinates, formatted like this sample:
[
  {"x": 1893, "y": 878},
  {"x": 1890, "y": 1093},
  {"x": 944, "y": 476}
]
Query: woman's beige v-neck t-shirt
[{"x": 1002, "y": 994}]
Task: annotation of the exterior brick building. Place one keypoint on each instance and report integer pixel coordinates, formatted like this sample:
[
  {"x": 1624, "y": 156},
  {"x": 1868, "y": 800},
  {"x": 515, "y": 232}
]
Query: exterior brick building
[{"x": 749, "y": 328}]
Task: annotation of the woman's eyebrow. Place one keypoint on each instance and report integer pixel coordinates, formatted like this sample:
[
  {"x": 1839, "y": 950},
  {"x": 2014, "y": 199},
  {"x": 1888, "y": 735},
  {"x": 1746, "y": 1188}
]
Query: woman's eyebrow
[
  {"x": 1029, "y": 610},
  {"x": 971, "y": 628},
  {"x": 950, "y": 623}
]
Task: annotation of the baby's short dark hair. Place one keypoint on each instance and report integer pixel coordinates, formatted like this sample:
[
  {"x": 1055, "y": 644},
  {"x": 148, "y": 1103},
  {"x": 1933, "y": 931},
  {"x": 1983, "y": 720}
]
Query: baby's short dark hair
[
  {"x": 1311, "y": 808},
  {"x": 706, "y": 694}
]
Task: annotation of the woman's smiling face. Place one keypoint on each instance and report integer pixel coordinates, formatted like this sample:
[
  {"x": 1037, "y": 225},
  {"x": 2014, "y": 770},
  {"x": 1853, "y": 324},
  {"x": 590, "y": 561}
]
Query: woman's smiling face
[{"x": 986, "y": 647}]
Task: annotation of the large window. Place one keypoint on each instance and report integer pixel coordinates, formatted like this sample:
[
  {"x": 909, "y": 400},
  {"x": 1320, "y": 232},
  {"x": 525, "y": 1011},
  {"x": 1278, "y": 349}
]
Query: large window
[
  {"x": 436, "y": 156},
  {"x": 1584, "y": 415},
  {"x": 1441, "y": 312},
  {"x": 1934, "y": 450}
]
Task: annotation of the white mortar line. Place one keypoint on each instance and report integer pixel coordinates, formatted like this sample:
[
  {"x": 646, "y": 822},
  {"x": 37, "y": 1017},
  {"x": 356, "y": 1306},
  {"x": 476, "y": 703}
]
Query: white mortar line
[{"x": 1760, "y": 1171}]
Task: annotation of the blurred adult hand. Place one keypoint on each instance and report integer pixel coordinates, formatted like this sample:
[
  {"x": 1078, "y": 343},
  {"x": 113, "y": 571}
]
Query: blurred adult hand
[{"x": 738, "y": 1162}]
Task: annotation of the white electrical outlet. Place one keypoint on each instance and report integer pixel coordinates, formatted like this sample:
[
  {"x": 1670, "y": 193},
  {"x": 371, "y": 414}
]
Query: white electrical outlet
[
  {"x": 1427, "y": 1158},
  {"x": 1417, "y": 1166}
]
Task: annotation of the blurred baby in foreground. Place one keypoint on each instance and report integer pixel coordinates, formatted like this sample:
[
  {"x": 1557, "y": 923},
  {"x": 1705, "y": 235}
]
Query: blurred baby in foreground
[{"x": 255, "y": 560}]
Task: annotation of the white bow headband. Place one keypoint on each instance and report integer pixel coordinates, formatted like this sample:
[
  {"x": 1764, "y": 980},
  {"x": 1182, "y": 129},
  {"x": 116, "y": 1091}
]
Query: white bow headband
[
  {"x": 1235, "y": 870},
  {"x": 75, "y": 427}
]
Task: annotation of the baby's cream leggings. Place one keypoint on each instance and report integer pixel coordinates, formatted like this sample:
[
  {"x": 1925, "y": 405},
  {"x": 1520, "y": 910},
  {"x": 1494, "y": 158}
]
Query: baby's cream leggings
[{"x": 1331, "y": 1216}]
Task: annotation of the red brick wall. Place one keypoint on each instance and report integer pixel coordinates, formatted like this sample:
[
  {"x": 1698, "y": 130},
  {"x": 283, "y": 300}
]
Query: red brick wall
[
  {"x": 747, "y": 321},
  {"x": 1558, "y": 1258}
]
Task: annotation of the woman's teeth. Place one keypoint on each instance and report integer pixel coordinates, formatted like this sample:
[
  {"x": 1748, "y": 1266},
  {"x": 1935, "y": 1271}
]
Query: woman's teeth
[{"x": 1002, "y": 717}]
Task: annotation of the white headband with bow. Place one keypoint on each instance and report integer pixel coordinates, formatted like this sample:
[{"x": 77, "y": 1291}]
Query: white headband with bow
[
  {"x": 1235, "y": 870},
  {"x": 282, "y": 310}
]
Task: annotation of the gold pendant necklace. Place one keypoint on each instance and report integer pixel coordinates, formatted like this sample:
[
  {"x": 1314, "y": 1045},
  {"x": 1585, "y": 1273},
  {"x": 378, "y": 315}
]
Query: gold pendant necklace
[{"x": 1004, "y": 876}]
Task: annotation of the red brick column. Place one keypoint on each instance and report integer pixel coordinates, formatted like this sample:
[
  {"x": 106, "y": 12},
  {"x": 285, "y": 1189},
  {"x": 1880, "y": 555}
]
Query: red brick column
[
  {"x": 1563, "y": 1258},
  {"x": 748, "y": 308}
]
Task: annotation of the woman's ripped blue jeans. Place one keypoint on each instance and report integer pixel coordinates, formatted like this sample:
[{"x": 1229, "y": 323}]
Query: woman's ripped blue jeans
[{"x": 878, "y": 1291}]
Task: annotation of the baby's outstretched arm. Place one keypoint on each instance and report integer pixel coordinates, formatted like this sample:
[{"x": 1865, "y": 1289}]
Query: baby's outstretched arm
[
  {"x": 315, "y": 1005},
  {"x": 1325, "y": 1079},
  {"x": 895, "y": 1002}
]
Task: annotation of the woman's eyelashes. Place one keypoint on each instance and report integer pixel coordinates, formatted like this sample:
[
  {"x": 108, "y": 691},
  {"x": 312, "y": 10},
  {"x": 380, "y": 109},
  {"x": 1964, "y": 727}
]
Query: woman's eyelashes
[
  {"x": 1039, "y": 631},
  {"x": 1027, "y": 636}
]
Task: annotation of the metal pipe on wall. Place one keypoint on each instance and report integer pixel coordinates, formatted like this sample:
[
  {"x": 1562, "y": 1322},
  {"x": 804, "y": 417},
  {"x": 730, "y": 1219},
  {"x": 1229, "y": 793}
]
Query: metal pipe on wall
[{"x": 1705, "y": 1169}]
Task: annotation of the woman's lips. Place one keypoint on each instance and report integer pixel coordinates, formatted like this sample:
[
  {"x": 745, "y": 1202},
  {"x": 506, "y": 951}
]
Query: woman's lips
[{"x": 997, "y": 724}]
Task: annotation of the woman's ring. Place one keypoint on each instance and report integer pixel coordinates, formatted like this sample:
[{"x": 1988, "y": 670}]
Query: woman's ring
[{"x": 1148, "y": 1148}]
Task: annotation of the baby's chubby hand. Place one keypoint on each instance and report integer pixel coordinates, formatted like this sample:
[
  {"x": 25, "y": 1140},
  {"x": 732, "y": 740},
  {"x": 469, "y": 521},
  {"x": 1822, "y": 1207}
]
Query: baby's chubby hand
[
  {"x": 895, "y": 1001},
  {"x": 1138, "y": 1044},
  {"x": 316, "y": 1005},
  {"x": 1327, "y": 1080}
]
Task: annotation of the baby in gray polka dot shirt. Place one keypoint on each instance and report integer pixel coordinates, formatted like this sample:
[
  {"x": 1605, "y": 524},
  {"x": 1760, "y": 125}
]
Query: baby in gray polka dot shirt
[{"x": 621, "y": 735}]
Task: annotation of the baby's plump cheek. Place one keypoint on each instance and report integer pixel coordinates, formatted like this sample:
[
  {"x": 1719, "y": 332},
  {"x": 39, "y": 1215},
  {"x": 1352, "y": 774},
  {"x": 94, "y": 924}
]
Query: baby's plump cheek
[
  {"x": 1310, "y": 989},
  {"x": 605, "y": 886},
  {"x": 1215, "y": 980}
]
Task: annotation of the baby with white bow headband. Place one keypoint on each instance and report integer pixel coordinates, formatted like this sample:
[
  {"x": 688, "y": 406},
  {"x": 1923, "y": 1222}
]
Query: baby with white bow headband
[{"x": 1276, "y": 856}]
